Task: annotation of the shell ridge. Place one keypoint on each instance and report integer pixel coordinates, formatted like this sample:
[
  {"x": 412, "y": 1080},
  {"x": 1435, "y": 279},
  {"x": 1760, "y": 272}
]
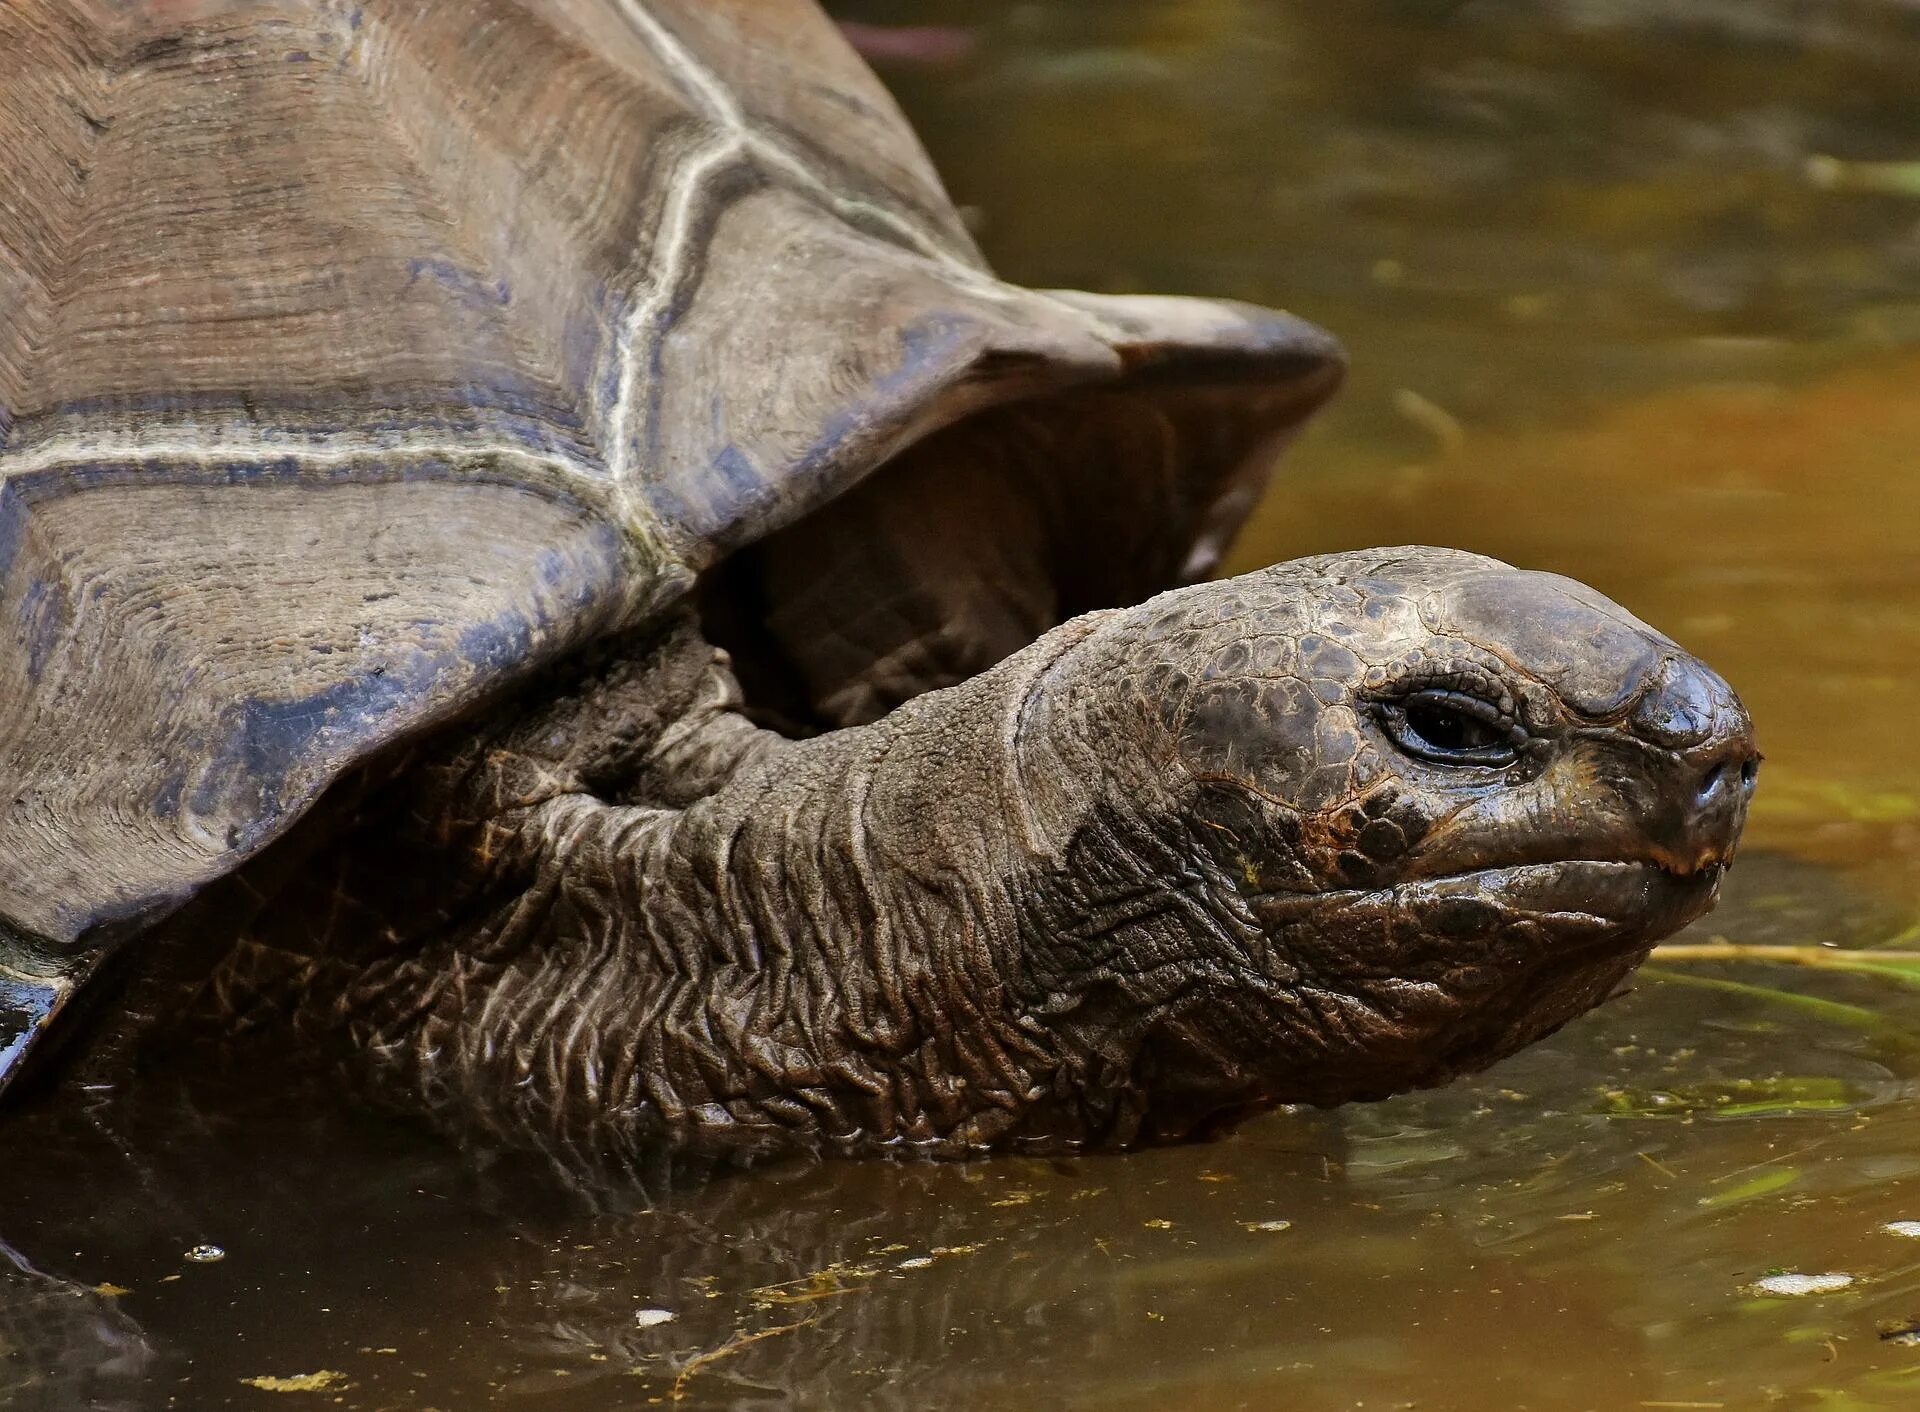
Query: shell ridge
[
  {"x": 719, "y": 105},
  {"x": 577, "y": 480},
  {"x": 691, "y": 188},
  {"x": 671, "y": 261}
]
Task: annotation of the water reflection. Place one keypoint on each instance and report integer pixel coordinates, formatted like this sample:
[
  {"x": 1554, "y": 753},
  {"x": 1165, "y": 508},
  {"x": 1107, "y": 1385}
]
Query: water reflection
[
  {"x": 1576, "y": 1230},
  {"x": 1604, "y": 322},
  {"x": 65, "y": 1346}
]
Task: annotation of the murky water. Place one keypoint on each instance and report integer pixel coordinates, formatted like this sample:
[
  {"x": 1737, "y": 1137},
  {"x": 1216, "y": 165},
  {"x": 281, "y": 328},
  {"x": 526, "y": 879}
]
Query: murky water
[{"x": 1623, "y": 302}]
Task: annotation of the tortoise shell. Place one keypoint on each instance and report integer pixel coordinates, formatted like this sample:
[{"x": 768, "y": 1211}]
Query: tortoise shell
[{"x": 359, "y": 357}]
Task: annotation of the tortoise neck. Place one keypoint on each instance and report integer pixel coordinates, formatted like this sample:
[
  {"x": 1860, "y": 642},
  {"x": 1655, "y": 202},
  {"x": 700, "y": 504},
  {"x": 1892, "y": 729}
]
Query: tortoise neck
[
  {"x": 831, "y": 948},
  {"x": 828, "y": 949}
]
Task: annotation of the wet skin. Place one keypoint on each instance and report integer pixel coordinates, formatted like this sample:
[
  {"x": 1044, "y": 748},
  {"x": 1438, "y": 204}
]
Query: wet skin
[
  {"x": 1330, "y": 830},
  {"x": 1449, "y": 805}
]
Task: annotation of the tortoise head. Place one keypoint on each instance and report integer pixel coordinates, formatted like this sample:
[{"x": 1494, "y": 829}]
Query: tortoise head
[{"x": 1408, "y": 810}]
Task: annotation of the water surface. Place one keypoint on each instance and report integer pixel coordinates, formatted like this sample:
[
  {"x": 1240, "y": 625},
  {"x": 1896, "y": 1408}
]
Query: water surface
[{"x": 1625, "y": 300}]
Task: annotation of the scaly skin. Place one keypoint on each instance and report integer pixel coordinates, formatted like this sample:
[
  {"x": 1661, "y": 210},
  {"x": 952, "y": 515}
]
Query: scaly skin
[{"x": 1168, "y": 866}]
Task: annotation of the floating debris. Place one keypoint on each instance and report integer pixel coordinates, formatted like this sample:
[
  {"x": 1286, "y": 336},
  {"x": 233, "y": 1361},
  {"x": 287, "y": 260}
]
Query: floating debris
[
  {"x": 652, "y": 1318},
  {"x": 1158, "y": 1225},
  {"x": 914, "y": 1262},
  {"x": 1744, "y": 1098},
  {"x": 1901, "y": 1331},
  {"x": 836, "y": 1279},
  {"x": 1776, "y": 1179},
  {"x": 300, "y": 1382},
  {"x": 1266, "y": 1225},
  {"x": 1910, "y": 1229},
  {"x": 206, "y": 1254},
  {"x": 726, "y": 1350},
  {"x": 1794, "y": 1285}
]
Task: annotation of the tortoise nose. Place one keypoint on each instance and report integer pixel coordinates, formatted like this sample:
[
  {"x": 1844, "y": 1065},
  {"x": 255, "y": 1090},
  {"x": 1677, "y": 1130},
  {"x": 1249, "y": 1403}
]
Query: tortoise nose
[
  {"x": 1690, "y": 711},
  {"x": 1699, "y": 826},
  {"x": 1719, "y": 812}
]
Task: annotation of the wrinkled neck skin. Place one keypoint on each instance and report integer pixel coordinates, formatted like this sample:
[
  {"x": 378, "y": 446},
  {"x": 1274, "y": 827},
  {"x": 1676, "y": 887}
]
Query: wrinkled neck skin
[
  {"x": 822, "y": 950},
  {"x": 830, "y": 949}
]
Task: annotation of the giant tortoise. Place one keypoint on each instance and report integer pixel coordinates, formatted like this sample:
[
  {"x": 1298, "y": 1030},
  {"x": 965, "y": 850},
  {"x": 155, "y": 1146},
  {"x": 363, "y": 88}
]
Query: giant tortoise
[{"x": 537, "y": 559}]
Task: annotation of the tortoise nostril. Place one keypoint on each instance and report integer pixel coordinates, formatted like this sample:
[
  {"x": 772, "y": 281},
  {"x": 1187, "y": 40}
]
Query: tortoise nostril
[
  {"x": 1727, "y": 780},
  {"x": 1711, "y": 784}
]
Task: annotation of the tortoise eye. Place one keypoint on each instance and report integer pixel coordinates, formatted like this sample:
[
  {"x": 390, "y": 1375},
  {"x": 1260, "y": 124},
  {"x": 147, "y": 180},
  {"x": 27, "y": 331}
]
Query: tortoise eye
[{"x": 1452, "y": 728}]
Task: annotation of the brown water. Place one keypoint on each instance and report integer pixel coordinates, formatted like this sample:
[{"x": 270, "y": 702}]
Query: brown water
[{"x": 1605, "y": 321}]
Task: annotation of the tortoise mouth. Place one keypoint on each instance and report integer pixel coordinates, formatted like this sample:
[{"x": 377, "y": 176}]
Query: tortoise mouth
[
  {"x": 1647, "y": 897},
  {"x": 1441, "y": 977},
  {"x": 1541, "y": 911},
  {"x": 1362, "y": 994}
]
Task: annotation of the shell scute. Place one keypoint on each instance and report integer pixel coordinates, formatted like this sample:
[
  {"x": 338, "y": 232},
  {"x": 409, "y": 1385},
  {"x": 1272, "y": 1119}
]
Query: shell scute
[{"x": 334, "y": 402}]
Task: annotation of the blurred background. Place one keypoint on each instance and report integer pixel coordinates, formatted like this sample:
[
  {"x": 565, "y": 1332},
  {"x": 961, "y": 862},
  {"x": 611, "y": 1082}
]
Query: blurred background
[{"x": 1632, "y": 290}]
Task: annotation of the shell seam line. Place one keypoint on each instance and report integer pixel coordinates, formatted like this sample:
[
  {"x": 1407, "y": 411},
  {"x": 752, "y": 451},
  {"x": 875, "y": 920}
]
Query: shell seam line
[
  {"x": 668, "y": 263},
  {"x": 580, "y": 479},
  {"x": 666, "y": 266},
  {"x": 224, "y": 446},
  {"x": 719, "y": 105}
]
